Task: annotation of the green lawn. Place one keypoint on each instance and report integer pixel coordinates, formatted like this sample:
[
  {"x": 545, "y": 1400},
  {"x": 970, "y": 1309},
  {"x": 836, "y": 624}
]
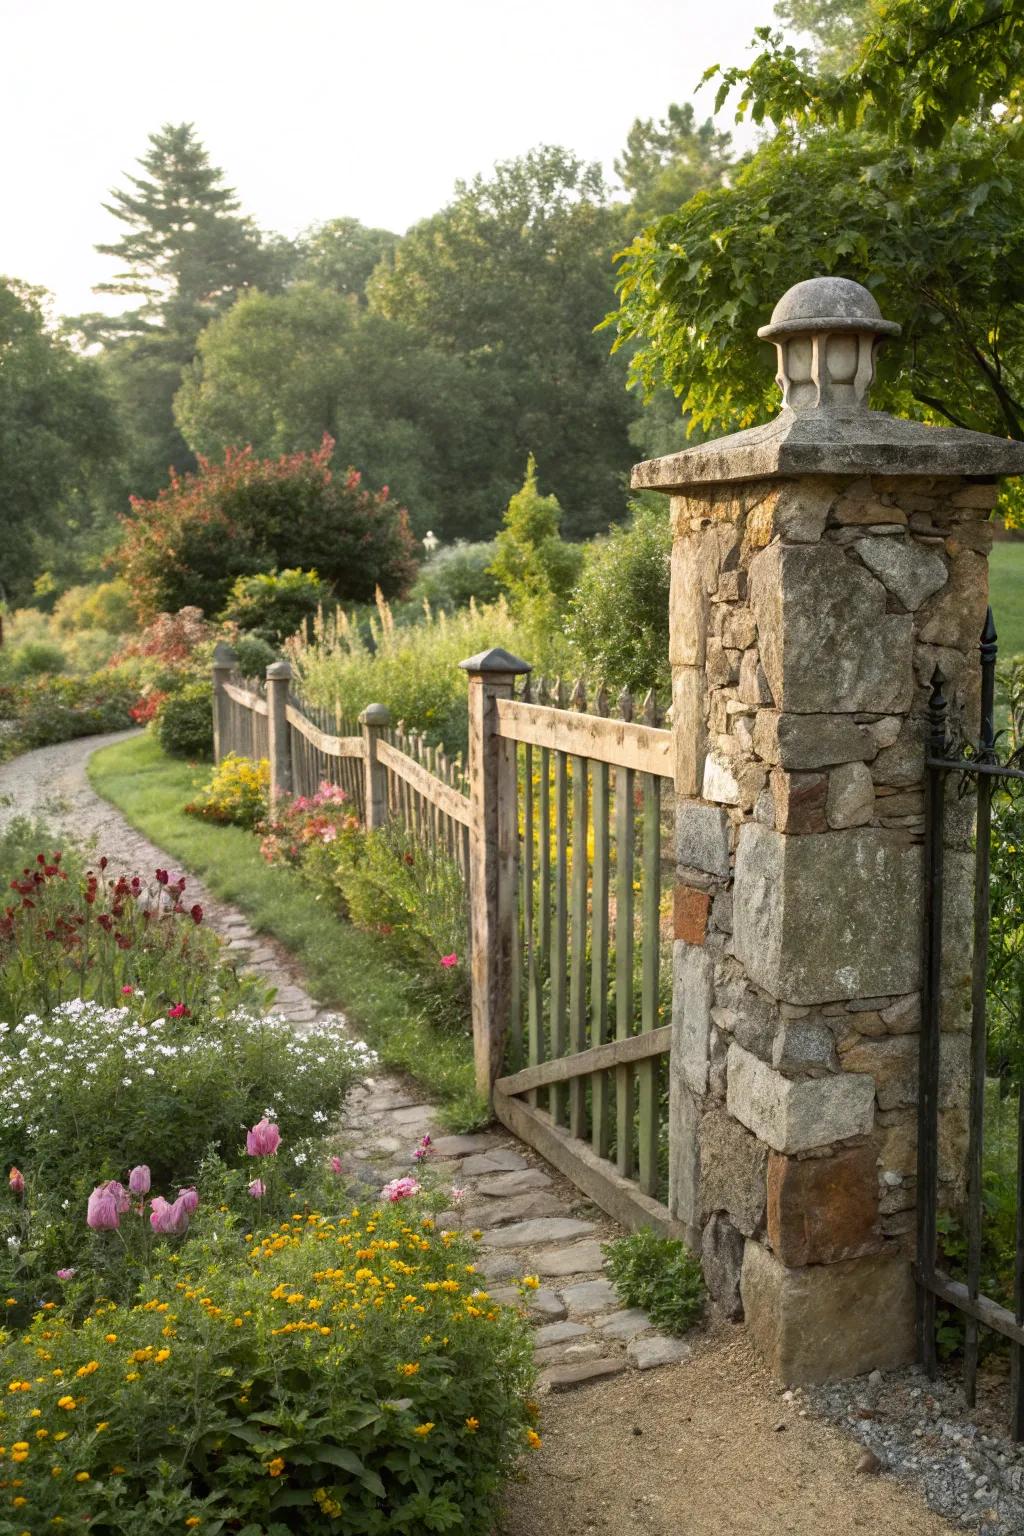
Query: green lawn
[
  {"x": 1006, "y": 583},
  {"x": 342, "y": 967}
]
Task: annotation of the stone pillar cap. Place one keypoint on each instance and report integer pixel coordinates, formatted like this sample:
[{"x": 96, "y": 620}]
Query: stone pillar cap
[
  {"x": 827, "y": 304},
  {"x": 497, "y": 659},
  {"x": 279, "y": 669}
]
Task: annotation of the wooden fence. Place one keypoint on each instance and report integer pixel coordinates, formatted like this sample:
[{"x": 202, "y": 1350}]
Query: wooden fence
[{"x": 556, "y": 827}]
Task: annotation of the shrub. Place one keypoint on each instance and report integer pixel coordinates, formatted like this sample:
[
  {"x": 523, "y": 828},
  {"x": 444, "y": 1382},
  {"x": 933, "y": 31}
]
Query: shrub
[
  {"x": 105, "y": 606},
  {"x": 36, "y": 658},
  {"x": 308, "y": 820},
  {"x": 275, "y": 605},
  {"x": 618, "y": 614},
  {"x": 278, "y": 1383},
  {"x": 457, "y": 575},
  {"x": 658, "y": 1274},
  {"x": 184, "y": 724},
  {"x": 248, "y": 515},
  {"x": 48, "y": 710},
  {"x": 253, "y": 655},
  {"x": 532, "y": 563},
  {"x": 238, "y": 793}
]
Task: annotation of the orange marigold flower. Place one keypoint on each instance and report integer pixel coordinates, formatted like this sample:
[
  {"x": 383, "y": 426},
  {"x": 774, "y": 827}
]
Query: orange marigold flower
[
  {"x": 424, "y": 1429},
  {"x": 276, "y": 1467}
]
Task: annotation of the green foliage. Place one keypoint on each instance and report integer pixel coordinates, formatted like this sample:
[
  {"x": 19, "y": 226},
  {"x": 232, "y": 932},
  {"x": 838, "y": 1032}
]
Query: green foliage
[
  {"x": 35, "y": 659},
  {"x": 104, "y": 605},
  {"x": 936, "y": 234},
  {"x": 413, "y": 669},
  {"x": 919, "y": 67},
  {"x": 340, "y": 254},
  {"x": 296, "y": 1384},
  {"x": 510, "y": 280},
  {"x": 457, "y": 574},
  {"x": 238, "y": 793},
  {"x": 253, "y": 654},
  {"x": 57, "y": 433},
  {"x": 658, "y": 1274},
  {"x": 185, "y": 721},
  {"x": 532, "y": 563},
  {"x": 667, "y": 163},
  {"x": 618, "y": 612},
  {"x": 247, "y": 516},
  {"x": 343, "y": 966},
  {"x": 837, "y": 27},
  {"x": 275, "y": 604}
]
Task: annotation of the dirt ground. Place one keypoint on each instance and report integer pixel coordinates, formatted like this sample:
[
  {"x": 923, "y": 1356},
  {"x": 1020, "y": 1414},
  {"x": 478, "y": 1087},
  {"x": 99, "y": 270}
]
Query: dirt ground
[{"x": 694, "y": 1450}]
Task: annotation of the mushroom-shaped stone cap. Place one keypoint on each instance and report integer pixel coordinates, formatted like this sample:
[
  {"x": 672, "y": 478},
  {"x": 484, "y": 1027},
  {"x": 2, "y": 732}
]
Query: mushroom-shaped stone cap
[{"x": 827, "y": 304}]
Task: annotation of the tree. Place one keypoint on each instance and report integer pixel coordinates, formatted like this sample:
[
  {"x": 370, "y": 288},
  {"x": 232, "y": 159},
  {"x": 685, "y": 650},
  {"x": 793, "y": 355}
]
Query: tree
[
  {"x": 511, "y": 278},
  {"x": 185, "y": 254},
  {"x": 837, "y": 27},
  {"x": 341, "y": 254},
  {"x": 57, "y": 438},
  {"x": 247, "y": 516},
  {"x": 618, "y": 612},
  {"x": 665, "y": 164},
  {"x": 921, "y": 67},
  {"x": 938, "y": 235},
  {"x": 277, "y": 372},
  {"x": 532, "y": 562}
]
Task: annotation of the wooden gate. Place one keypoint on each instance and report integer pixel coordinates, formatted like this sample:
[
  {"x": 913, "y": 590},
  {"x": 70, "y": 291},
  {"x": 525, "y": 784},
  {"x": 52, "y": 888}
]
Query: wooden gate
[{"x": 588, "y": 1041}]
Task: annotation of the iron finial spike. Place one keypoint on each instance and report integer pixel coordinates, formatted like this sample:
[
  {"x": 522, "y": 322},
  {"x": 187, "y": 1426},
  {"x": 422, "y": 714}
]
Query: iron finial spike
[
  {"x": 650, "y": 707},
  {"x": 626, "y": 704},
  {"x": 601, "y": 702},
  {"x": 579, "y": 695}
]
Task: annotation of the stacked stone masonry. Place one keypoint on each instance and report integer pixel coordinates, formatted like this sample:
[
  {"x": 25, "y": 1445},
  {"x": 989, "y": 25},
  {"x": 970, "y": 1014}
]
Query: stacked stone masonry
[{"x": 808, "y": 616}]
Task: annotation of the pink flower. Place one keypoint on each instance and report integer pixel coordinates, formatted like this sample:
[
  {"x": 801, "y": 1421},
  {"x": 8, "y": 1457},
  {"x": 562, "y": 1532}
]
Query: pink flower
[
  {"x": 419, "y": 1154},
  {"x": 66, "y": 1274},
  {"x": 139, "y": 1180},
  {"x": 102, "y": 1214},
  {"x": 257, "y": 1189},
  {"x": 179, "y": 1011},
  {"x": 168, "y": 1220},
  {"x": 263, "y": 1140},
  {"x": 127, "y": 991},
  {"x": 189, "y": 1198},
  {"x": 122, "y": 1199},
  {"x": 449, "y": 960},
  {"x": 16, "y": 1179},
  {"x": 400, "y": 1189},
  {"x": 162, "y": 876},
  {"x": 336, "y": 1165},
  {"x": 196, "y": 914},
  {"x": 458, "y": 1194}
]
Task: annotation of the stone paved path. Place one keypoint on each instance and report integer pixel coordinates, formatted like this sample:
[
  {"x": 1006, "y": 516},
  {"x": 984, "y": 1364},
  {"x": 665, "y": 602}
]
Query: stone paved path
[{"x": 533, "y": 1221}]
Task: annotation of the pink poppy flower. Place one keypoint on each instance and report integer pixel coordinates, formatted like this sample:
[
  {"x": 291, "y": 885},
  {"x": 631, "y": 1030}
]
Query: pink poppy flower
[
  {"x": 102, "y": 1214},
  {"x": 66, "y": 1274},
  {"x": 122, "y": 1199},
  {"x": 189, "y": 1198},
  {"x": 168, "y": 1220},
  {"x": 263, "y": 1140},
  {"x": 449, "y": 960},
  {"x": 16, "y": 1179},
  {"x": 257, "y": 1189},
  {"x": 179, "y": 1011},
  {"x": 127, "y": 991},
  {"x": 139, "y": 1180},
  {"x": 336, "y": 1165}
]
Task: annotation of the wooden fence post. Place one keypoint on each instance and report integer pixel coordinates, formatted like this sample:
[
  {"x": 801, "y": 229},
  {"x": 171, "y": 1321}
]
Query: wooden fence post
[
  {"x": 374, "y": 720},
  {"x": 224, "y": 661},
  {"x": 279, "y": 745},
  {"x": 493, "y": 843}
]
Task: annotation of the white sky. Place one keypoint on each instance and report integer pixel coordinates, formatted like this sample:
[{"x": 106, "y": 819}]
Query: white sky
[{"x": 316, "y": 109}]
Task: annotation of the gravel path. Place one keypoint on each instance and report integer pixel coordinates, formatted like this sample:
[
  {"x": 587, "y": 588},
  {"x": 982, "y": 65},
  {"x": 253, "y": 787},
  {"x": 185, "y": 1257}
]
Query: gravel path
[{"x": 709, "y": 1444}]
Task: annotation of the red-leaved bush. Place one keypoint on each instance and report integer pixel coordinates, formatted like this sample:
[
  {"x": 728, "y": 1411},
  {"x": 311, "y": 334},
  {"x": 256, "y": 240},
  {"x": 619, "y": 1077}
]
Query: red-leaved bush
[{"x": 251, "y": 515}]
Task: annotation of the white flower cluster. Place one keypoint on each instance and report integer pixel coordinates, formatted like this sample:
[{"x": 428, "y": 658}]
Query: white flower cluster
[{"x": 87, "y": 1052}]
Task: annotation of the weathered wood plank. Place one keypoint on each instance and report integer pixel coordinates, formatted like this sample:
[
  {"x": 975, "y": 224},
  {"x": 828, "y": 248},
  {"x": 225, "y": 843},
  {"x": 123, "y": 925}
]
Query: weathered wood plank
[
  {"x": 597, "y": 1058},
  {"x": 625, "y": 1087},
  {"x": 247, "y": 700},
  {"x": 560, "y": 934},
  {"x": 647, "y": 1075},
  {"x": 578, "y": 934},
  {"x": 619, "y": 742},
  {"x": 982, "y": 1309},
  {"x": 333, "y": 746},
  {"x": 424, "y": 783},
  {"x": 600, "y": 1132},
  {"x": 596, "y": 1178}
]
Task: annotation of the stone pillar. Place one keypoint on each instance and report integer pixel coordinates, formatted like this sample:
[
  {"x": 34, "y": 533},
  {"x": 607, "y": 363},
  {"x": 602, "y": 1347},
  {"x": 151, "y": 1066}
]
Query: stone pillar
[
  {"x": 374, "y": 720},
  {"x": 224, "y": 662},
  {"x": 493, "y": 850},
  {"x": 822, "y": 566},
  {"x": 279, "y": 747}
]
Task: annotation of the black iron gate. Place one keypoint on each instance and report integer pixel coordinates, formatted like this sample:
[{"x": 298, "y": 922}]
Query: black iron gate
[{"x": 970, "y": 769}]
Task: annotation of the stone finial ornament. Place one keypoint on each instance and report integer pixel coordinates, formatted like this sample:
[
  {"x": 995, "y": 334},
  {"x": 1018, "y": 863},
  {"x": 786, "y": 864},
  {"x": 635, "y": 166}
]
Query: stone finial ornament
[{"x": 827, "y": 332}]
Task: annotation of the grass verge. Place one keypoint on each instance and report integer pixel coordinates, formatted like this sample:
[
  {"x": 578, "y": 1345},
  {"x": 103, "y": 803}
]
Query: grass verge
[
  {"x": 1006, "y": 585},
  {"x": 342, "y": 967}
]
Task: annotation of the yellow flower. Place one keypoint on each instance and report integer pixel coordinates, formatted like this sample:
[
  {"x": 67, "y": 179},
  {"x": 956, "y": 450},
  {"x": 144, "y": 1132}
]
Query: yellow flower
[
  {"x": 276, "y": 1467},
  {"x": 192, "y": 1522},
  {"x": 19, "y": 1501},
  {"x": 410, "y": 1369},
  {"x": 472, "y": 1425},
  {"x": 67, "y": 1403},
  {"x": 87, "y": 1370},
  {"x": 424, "y": 1429},
  {"x": 111, "y": 1338},
  {"x": 533, "y": 1440},
  {"x": 530, "y": 1282},
  {"x": 102, "y": 1425},
  {"x": 61, "y": 1434},
  {"x": 162, "y": 1355},
  {"x": 55, "y": 1471},
  {"x": 132, "y": 1376},
  {"x": 81, "y": 1477}
]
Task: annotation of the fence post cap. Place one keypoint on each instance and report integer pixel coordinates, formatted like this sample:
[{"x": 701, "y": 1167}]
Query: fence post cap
[
  {"x": 223, "y": 655},
  {"x": 278, "y": 670},
  {"x": 496, "y": 660},
  {"x": 375, "y": 714}
]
